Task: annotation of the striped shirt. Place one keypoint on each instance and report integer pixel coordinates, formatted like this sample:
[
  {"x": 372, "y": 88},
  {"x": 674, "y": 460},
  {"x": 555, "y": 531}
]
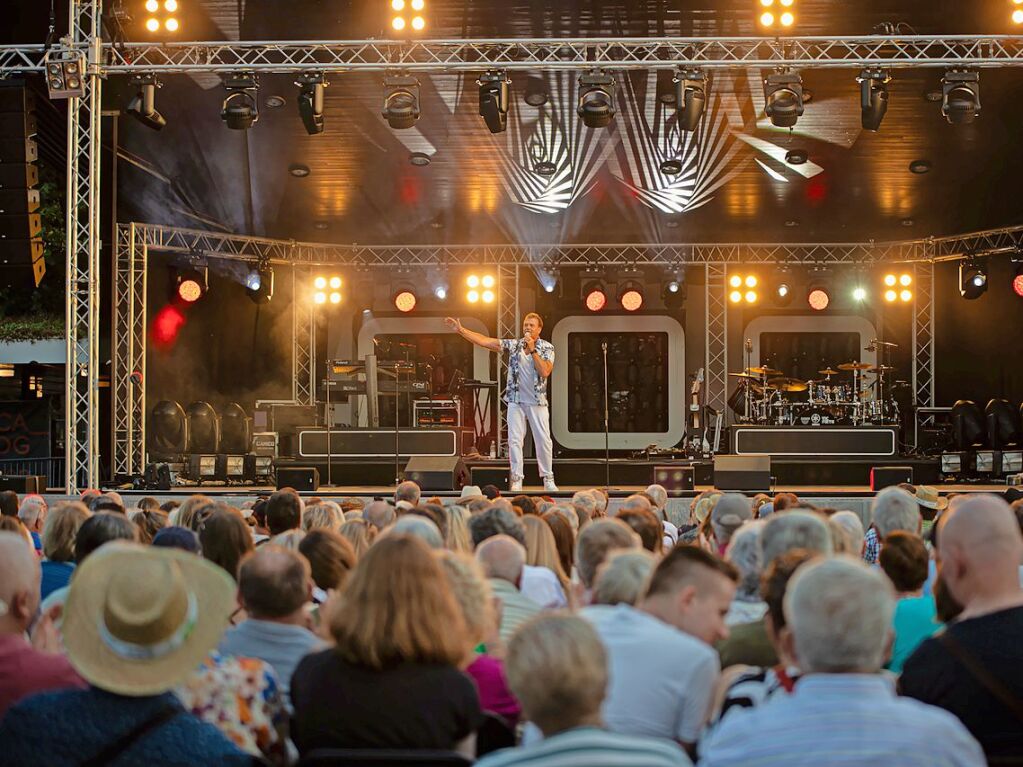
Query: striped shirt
[
  {"x": 590, "y": 747},
  {"x": 841, "y": 719}
]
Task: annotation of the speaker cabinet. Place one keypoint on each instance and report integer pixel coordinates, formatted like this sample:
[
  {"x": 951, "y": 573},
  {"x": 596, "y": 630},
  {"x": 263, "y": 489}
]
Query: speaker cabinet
[
  {"x": 887, "y": 476},
  {"x": 24, "y": 485},
  {"x": 437, "y": 472},
  {"x": 742, "y": 472},
  {"x": 298, "y": 477}
]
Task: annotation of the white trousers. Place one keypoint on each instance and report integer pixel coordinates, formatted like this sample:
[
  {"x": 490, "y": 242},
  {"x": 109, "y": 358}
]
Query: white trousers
[{"x": 540, "y": 424}]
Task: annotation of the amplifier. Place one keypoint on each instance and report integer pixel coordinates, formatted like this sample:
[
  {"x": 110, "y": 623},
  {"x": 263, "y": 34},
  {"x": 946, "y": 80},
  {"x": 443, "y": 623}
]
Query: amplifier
[
  {"x": 742, "y": 472},
  {"x": 887, "y": 476},
  {"x": 298, "y": 477},
  {"x": 445, "y": 413},
  {"x": 377, "y": 443},
  {"x": 265, "y": 443},
  {"x": 816, "y": 441}
]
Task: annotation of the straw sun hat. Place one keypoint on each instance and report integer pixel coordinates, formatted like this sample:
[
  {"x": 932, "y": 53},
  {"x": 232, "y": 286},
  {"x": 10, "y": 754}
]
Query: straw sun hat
[{"x": 138, "y": 620}]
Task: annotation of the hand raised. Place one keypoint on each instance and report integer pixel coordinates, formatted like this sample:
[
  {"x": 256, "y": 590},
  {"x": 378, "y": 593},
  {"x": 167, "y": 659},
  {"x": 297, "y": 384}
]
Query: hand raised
[{"x": 453, "y": 323}]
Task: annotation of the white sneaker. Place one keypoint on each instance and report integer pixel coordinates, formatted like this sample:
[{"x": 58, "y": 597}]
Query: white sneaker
[
  {"x": 515, "y": 486},
  {"x": 549, "y": 486}
]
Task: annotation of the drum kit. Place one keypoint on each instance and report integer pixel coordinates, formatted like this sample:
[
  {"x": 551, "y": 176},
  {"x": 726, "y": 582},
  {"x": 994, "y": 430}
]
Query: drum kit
[{"x": 850, "y": 394}]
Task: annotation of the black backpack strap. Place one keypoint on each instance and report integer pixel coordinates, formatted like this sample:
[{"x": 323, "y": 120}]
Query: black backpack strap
[{"x": 113, "y": 750}]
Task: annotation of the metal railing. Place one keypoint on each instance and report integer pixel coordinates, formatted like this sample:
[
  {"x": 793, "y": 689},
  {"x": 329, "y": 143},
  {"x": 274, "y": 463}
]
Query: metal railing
[{"x": 52, "y": 468}]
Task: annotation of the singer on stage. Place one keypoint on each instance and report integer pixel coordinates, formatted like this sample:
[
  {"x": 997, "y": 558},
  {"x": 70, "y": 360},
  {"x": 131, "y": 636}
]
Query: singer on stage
[{"x": 530, "y": 362}]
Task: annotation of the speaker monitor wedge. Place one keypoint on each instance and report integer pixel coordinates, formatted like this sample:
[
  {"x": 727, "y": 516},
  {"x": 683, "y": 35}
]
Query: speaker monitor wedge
[
  {"x": 298, "y": 477},
  {"x": 742, "y": 472},
  {"x": 446, "y": 472}
]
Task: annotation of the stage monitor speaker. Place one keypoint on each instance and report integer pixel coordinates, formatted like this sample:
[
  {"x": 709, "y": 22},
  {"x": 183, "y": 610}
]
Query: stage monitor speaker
[
  {"x": 887, "y": 476},
  {"x": 675, "y": 478},
  {"x": 446, "y": 472},
  {"x": 24, "y": 484},
  {"x": 298, "y": 477},
  {"x": 742, "y": 472}
]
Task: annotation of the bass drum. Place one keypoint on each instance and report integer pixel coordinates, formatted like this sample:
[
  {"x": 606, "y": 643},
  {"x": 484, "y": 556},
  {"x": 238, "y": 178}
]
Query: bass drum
[{"x": 815, "y": 416}]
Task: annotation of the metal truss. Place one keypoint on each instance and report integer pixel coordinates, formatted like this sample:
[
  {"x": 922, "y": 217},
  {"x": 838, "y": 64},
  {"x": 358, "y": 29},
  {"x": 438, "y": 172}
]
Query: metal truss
[
  {"x": 988, "y": 242},
  {"x": 129, "y": 354},
  {"x": 303, "y": 342},
  {"x": 509, "y": 325},
  {"x": 170, "y": 239},
  {"x": 924, "y": 373},
  {"x": 716, "y": 345},
  {"x": 889, "y": 52},
  {"x": 81, "y": 417}
]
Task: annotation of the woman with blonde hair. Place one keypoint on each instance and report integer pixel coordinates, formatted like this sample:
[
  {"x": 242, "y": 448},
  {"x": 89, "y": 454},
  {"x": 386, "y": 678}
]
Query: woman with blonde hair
[
  {"x": 360, "y": 534},
  {"x": 476, "y": 598},
  {"x": 59, "y": 532},
  {"x": 542, "y": 551},
  {"x": 184, "y": 515},
  {"x": 457, "y": 536},
  {"x": 393, "y": 679},
  {"x": 328, "y": 515}
]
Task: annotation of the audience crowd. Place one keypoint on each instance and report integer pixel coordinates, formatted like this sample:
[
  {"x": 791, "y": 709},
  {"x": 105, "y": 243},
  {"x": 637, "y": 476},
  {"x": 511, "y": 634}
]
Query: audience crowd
[{"x": 512, "y": 631}]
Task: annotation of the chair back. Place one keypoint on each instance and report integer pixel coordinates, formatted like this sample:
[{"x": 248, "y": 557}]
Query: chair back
[{"x": 378, "y": 757}]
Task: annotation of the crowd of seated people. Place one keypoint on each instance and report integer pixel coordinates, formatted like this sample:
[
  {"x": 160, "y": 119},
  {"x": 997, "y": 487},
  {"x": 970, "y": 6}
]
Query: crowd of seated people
[{"x": 731, "y": 630}]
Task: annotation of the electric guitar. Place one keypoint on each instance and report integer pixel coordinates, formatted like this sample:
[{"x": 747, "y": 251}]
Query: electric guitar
[{"x": 697, "y": 429}]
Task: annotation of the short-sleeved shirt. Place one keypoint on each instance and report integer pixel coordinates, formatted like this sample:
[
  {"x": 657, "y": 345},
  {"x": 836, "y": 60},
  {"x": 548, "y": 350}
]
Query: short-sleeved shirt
[
  {"x": 915, "y": 620},
  {"x": 525, "y": 385},
  {"x": 590, "y": 747},
  {"x": 661, "y": 679},
  {"x": 933, "y": 675},
  {"x": 412, "y": 706}
]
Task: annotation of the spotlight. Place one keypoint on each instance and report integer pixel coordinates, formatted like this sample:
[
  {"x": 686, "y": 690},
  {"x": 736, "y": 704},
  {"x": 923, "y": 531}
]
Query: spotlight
[
  {"x": 259, "y": 286},
  {"x": 327, "y": 288},
  {"x": 405, "y": 299},
  {"x": 64, "y": 72},
  {"x": 596, "y": 99},
  {"x": 440, "y": 292},
  {"x": 783, "y": 92},
  {"x": 818, "y": 297},
  {"x": 1017, "y": 281},
  {"x": 735, "y": 296},
  {"x": 630, "y": 296},
  {"x": 494, "y": 98},
  {"x": 480, "y": 288},
  {"x": 488, "y": 281},
  {"x": 310, "y": 101},
  {"x": 783, "y": 293},
  {"x": 960, "y": 96},
  {"x": 859, "y": 294},
  {"x": 143, "y": 106},
  {"x": 595, "y": 296},
  {"x": 240, "y": 110},
  {"x": 191, "y": 284},
  {"x": 873, "y": 97},
  {"x": 690, "y": 98},
  {"x": 673, "y": 293},
  {"x": 401, "y": 101},
  {"x": 488, "y": 296},
  {"x": 972, "y": 278}
]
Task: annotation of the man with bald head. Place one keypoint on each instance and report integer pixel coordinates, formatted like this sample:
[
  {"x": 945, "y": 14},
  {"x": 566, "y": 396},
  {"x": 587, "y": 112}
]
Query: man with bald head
[
  {"x": 24, "y": 670},
  {"x": 274, "y": 585},
  {"x": 502, "y": 559},
  {"x": 406, "y": 496},
  {"x": 379, "y": 514},
  {"x": 975, "y": 668}
]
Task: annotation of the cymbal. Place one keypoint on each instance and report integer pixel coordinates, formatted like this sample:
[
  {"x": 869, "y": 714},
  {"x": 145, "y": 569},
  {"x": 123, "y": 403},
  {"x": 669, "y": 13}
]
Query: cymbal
[
  {"x": 875, "y": 342},
  {"x": 788, "y": 384},
  {"x": 881, "y": 369},
  {"x": 765, "y": 371},
  {"x": 828, "y": 372},
  {"x": 854, "y": 366},
  {"x": 750, "y": 376}
]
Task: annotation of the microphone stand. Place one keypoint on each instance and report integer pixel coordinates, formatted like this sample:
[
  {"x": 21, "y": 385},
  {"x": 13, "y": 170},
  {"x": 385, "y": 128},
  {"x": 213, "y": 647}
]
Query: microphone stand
[
  {"x": 607, "y": 438},
  {"x": 397, "y": 410}
]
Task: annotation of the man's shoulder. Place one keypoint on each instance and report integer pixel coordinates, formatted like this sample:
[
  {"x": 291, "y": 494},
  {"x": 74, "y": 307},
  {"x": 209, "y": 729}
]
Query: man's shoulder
[
  {"x": 587, "y": 746},
  {"x": 538, "y": 573},
  {"x": 653, "y": 631}
]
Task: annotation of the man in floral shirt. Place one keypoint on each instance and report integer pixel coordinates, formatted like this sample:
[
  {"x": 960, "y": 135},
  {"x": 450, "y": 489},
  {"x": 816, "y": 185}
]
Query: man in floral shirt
[{"x": 530, "y": 362}]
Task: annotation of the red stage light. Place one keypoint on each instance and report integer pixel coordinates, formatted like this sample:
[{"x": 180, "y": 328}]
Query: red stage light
[
  {"x": 1017, "y": 284},
  {"x": 818, "y": 299},
  {"x": 405, "y": 301},
  {"x": 189, "y": 291},
  {"x": 596, "y": 300}
]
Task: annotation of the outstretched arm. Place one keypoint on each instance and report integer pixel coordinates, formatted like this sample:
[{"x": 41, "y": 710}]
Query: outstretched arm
[{"x": 479, "y": 339}]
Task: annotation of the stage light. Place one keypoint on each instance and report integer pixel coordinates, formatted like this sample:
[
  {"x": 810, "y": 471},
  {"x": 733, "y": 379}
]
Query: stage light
[
  {"x": 818, "y": 298},
  {"x": 783, "y": 293},
  {"x": 259, "y": 286},
  {"x": 335, "y": 283},
  {"x": 859, "y": 294},
  {"x": 787, "y": 19},
  {"x": 240, "y": 110},
  {"x": 596, "y": 99},
  {"x": 890, "y": 280},
  {"x": 906, "y": 296},
  {"x": 972, "y": 278},
  {"x": 397, "y": 23},
  {"x": 440, "y": 292},
  {"x": 310, "y": 101},
  {"x": 319, "y": 297},
  {"x": 143, "y": 106},
  {"x": 690, "y": 98},
  {"x": 418, "y": 23},
  {"x": 472, "y": 281},
  {"x": 735, "y": 296},
  {"x": 335, "y": 298},
  {"x": 891, "y": 296},
  {"x": 404, "y": 299},
  {"x": 952, "y": 463},
  {"x": 672, "y": 294},
  {"x": 153, "y": 25},
  {"x": 488, "y": 296},
  {"x": 1017, "y": 16},
  {"x": 401, "y": 101},
  {"x": 751, "y": 296},
  {"x": 1017, "y": 281},
  {"x": 190, "y": 284},
  {"x": 170, "y": 6},
  {"x": 751, "y": 281},
  {"x": 488, "y": 281},
  {"x": 327, "y": 287},
  {"x": 320, "y": 283},
  {"x": 418, "y": 5},
  {"x": 873, "y": 97},
  {"x": 595, "y": 296},
  {"x": 171, "y": 25},
  {"x": 630, "y": 296},
  {"x": 64, "y": 74},
  {"x": 494, "y": 99},
  {"x": 473, "y": 296},
  {"x": 767, "y": 19},
  {"x": 152, "y": 6},
  {"x": 783, "y": 93},
  {"x": 398, "y": 5},
  {"x": 905, "y": 280},
  {"x": 960, "y": 96},
  {"x": 735, "y": 281}
]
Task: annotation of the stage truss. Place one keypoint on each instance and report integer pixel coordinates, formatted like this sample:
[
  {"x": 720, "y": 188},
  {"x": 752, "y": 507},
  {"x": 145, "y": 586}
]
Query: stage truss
[{"x": 83, "y": 178}]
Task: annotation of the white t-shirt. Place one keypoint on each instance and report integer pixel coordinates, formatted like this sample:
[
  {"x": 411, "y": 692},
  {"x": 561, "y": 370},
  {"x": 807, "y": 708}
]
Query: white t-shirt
[
  {"x": 661, "y": 679},
  {"x": 542, "y": 586}
]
